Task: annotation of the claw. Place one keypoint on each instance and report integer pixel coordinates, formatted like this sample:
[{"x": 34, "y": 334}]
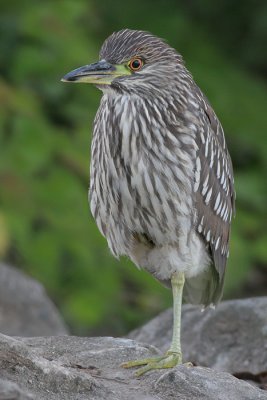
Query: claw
[{"x": 168, "y": 360}]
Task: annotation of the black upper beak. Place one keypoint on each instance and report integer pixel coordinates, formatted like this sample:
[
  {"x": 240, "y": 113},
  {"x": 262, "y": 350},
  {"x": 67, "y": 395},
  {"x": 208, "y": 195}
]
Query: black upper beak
[{"x": 98, "y": 69}]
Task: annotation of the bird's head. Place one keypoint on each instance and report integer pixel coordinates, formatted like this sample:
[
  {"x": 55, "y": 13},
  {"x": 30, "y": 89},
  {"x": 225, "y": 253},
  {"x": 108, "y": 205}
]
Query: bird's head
[{"x": 131, "y": 61}]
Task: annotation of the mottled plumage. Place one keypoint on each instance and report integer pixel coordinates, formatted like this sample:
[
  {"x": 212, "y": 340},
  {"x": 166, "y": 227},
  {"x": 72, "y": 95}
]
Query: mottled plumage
[
  {"x": 161, "y": 179},
  {"x": 161, "y": 186}
]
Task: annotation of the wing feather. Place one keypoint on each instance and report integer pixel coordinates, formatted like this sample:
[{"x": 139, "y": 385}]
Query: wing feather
[{"x": 214, "y": 188}]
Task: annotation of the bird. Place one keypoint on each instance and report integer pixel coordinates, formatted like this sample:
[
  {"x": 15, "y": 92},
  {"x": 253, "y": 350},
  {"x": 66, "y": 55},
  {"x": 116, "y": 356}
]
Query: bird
[{"x": 161, "y": 177}]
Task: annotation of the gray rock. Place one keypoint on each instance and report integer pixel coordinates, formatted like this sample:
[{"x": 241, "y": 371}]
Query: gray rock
[
  {"x": 11, "y": 391},
  {"x": 200, "y": 383},
  {"x": 68, "y": 368},
  {"x": 231, "y": 338},
  {"x": 25, "y": 309}
]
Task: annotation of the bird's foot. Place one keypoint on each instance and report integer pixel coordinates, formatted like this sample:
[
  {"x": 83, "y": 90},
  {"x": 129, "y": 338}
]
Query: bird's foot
[{"x": 168, "y": 360}]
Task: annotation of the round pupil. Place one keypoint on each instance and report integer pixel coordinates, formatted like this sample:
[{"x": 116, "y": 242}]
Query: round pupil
[{"x": 136, "y": 64}]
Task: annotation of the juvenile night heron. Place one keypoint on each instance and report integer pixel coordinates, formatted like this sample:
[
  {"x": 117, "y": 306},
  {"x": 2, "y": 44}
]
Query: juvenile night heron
[{"x": 161, "y": 188}]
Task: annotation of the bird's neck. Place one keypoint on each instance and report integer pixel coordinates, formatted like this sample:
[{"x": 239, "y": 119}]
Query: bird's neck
[{"x": 135, "y": 128}]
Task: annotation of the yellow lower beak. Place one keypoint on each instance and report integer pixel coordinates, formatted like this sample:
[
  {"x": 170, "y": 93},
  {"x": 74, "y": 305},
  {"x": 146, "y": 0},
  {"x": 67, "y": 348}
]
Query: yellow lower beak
[{"x": 100, "y": 73}]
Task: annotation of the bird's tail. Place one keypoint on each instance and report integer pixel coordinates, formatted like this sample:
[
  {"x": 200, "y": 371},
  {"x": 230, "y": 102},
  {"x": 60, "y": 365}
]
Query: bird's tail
[{"x": 205, "y": 289}]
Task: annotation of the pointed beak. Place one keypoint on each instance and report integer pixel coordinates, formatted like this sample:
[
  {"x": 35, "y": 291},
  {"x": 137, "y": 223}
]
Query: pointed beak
[{"x": 100, "y": 73}]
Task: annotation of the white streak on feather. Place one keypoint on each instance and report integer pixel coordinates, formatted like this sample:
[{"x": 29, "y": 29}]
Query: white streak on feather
[
  {"x": 218, "y": 169},
  {"x": 197, "y": 174},
  {"x": 208, "y": 196},
  {"x": 207, "y": 147},
  {"x": 217, "y": 243},
  {"x": 217, "y": 201}
]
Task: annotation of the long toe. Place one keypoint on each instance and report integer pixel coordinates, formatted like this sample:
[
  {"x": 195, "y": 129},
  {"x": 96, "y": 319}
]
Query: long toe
[{"x": 168, "y": 360}]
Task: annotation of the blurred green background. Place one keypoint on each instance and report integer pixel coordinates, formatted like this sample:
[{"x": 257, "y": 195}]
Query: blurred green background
[{"x": 45, "y": 225}]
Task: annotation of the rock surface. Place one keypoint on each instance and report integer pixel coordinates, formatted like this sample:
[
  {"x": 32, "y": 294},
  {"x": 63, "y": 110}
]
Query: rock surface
[
  {"x": 25, "y": 309},
  {"x": 11, "y": 391},
  {"x": 68, "y": 368},
  {"x": 231, "y": 338}
]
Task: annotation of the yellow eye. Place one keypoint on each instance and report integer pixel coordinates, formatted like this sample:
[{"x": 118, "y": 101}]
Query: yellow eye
[{"x": 136, "y": 64}]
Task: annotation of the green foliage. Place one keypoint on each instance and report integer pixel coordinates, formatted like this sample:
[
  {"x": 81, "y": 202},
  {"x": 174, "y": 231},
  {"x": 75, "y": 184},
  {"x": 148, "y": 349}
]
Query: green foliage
[{"x": 45, "y": 224}]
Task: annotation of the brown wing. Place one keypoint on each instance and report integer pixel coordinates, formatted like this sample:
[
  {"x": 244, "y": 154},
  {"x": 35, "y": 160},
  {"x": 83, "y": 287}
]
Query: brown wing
[{"x": 214, "y": 188}]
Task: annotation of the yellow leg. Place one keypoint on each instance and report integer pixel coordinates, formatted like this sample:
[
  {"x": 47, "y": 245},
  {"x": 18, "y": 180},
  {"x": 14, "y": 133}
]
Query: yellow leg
[{"x": 173, "y": 356}]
